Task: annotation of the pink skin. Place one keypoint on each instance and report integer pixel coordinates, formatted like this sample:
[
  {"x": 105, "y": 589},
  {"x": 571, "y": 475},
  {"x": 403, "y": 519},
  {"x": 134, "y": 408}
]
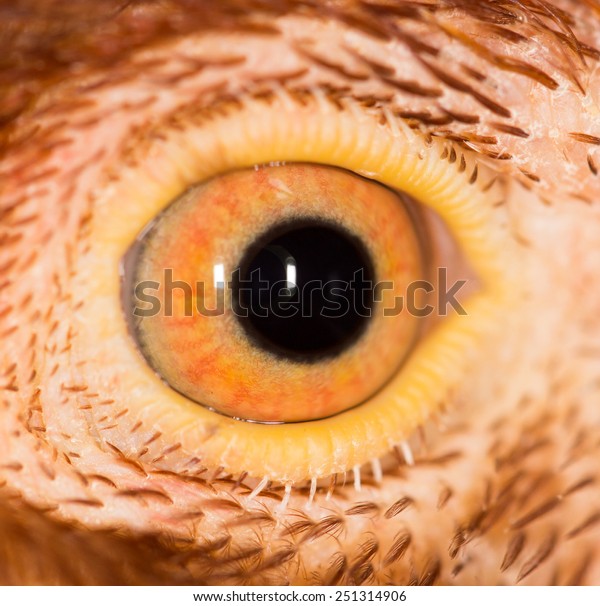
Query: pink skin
[{"x": 506, "y": 492}]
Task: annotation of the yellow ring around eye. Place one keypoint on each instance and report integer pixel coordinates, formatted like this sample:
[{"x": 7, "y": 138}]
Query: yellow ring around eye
[{"x": 316, "y": 131}]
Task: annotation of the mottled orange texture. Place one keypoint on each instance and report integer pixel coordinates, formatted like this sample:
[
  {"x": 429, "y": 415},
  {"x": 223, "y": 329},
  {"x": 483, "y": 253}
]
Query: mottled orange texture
[{"x": 210, "y": 358}]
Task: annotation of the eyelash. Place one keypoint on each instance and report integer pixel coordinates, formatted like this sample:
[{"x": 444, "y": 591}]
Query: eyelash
[{"x": 432, "y": 171}]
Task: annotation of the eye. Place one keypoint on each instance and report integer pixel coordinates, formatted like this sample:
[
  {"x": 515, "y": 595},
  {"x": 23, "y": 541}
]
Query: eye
[
  {"x": 115, "y": 121},
  {"x": 235, "y": 136},
  {"x": 276, "y": 290}
]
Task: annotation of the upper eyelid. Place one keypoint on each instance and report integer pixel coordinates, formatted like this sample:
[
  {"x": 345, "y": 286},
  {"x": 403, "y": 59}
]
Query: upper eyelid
[
  {"x": 378, "y": 21},
  {"x": 466, "y": 128},
  {"x": 42, "y": 44},
  {"x": 481, "y": 135}
]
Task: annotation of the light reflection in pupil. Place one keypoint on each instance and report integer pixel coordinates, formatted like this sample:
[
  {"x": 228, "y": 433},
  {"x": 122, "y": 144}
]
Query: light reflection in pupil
[{"x": 305, "y": 290}]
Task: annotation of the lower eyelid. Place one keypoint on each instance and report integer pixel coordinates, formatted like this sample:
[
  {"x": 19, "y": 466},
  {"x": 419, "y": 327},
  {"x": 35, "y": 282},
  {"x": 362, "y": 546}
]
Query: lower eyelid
[{"x": 284, "y": 130}]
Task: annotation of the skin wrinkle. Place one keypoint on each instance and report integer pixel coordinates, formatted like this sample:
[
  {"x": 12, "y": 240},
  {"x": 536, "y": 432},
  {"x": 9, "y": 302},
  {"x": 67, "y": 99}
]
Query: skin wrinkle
[{"x": 500, "y": 494}]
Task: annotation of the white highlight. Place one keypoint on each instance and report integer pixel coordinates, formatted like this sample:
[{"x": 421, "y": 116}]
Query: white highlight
[
  {"x": 407, "y": 453},
  {"x": 313, "y": 490},
  {"x": 356, "y": 472},
  {"x": 219, "y": 275},
  {"x": 286, "y": 499},
  {"x": 282, "y": 188},
  {"x": 377, "y": 473},
  {"x": 290, "y": 272},
  {"x": 258, "y": 489}
]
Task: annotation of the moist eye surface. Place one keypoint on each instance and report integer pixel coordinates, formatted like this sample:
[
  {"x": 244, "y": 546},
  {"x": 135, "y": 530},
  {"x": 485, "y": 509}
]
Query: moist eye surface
[{"x": 262, "y": 288}]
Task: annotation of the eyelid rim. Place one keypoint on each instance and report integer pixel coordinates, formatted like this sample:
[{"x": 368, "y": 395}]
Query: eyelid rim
[{"x": 357, "y": 139}]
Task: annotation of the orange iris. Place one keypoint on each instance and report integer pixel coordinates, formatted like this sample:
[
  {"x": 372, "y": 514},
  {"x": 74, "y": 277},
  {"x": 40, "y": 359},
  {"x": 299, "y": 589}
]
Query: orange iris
[{"x": 195, "y": 339}]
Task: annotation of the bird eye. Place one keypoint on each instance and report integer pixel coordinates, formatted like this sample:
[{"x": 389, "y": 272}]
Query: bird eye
[
  {"x": 276, "y": 291},
  {"x": 185, "y": 221}
]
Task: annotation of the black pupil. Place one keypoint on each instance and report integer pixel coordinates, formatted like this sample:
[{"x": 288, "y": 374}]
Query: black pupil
[{"x": 305, "y": 290}]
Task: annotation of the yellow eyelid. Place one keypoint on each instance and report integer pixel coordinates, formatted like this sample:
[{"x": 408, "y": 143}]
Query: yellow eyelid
[{"x": 366, "y": 141}]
